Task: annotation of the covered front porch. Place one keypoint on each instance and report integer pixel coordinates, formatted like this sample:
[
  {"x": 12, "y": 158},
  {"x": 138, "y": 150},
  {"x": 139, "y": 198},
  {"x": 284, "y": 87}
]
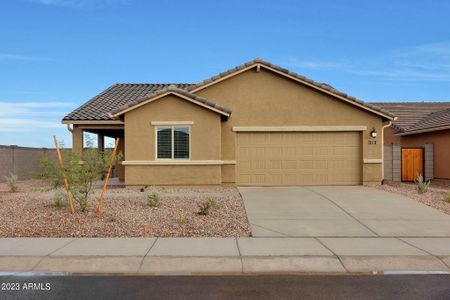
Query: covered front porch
[{"x": 108, "y": 129}]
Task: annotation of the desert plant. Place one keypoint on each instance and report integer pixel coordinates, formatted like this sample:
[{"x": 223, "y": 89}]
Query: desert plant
[
  {"x": 206, "y": 205},
  {"x": 112, "y": 220},
  {"x": 153, "y": 198},
  {"x": 81, "y": 171},
  {"x": 182, "y": 219},
  {"x": 446, "y": 197},
  {"x": 12, "y": 181},
  {"x": 60, "y": 198},
  {"x": 421, "y": 184}
]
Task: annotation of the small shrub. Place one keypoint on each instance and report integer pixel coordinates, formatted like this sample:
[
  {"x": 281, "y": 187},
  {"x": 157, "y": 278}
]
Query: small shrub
[
  {"x": 12, "y": 181},
  {"x": 60, "y": 199},
  {"x": 182, "y": 220},
  {"x": 206, "y": 205},
  {"x": 421, "y": 184},
  {"x": 112, "y": 220},
  {"x": 447, "y": 197},
  {"x": 153, "y": 198}
]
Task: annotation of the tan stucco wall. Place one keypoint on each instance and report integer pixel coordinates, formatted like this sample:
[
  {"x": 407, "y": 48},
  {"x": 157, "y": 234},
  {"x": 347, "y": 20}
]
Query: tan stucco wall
[
  {"x": 228, "y": 174},
  {"x": 140, "y": 142},
  {"x": 267, "y": 99},
  {"x": 441, "y": 149},
  {"x": 167, "y": 175}
]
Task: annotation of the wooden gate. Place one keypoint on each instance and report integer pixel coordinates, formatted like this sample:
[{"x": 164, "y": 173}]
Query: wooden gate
[{"x": 412, "y": 163}]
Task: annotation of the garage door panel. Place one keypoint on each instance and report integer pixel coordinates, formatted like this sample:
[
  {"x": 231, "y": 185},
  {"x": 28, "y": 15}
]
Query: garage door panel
[{"x": 299, "y": 158}]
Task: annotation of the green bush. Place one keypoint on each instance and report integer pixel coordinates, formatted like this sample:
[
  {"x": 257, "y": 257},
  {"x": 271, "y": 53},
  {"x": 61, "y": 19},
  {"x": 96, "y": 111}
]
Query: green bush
[
  {"x": 81, "y": 171},
  {"x": 60, "y": 198},
  {"x": 421, "y": 184},
  {"x": 12, "y": 181},
  {"x": 447, "y": 197},
  {"x": 206, "y": 205},
  {"x": 153, "y": 198}
]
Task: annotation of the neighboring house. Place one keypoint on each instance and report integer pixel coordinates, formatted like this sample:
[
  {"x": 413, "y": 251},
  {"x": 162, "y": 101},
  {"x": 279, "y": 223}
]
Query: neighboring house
[
  {"x": 256, "y": 124},
  {"x": 419, "y": 139}
]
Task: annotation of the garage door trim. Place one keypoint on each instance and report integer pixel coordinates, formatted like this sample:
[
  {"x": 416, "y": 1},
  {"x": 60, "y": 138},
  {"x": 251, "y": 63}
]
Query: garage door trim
[{"x": 297, "y": 128}]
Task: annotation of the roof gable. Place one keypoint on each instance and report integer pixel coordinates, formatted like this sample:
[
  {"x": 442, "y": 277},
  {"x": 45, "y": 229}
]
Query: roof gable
[
  {"x": 172, "y": 89},
  {"x": 325, "y": 88},
  {"x": 98, "y": 108}
]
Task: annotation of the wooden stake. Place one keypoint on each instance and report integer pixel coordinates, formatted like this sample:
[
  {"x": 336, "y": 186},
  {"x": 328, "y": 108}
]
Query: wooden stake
[
  {"x": 99, "y": 207},
  {"x": 66, "y": 183}
]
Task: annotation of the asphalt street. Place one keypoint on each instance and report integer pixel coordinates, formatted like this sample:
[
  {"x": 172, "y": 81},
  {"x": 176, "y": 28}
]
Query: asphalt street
[{"x": 226, "y": 287}]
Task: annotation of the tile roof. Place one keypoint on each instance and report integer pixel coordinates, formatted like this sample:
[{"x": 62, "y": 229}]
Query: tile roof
[
  {"x": 410, "y": 114},
  {"x": 117, "y": 95},
  {"x": 436, "y": 120},
  {"x": 320, "y": 85},
  {"x": 120, "y": 95},
  {"x": 173, "y": 89}
]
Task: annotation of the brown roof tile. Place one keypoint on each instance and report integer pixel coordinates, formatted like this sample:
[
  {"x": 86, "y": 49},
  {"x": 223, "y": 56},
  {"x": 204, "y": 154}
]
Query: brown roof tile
[
  {"x": 410, "y": 113},
  {"x": 121, "y": 95},
  {"x": 117, "y": 95},
  {"x": 434, "y": 120},
  {"x": 174, "y": 89}
]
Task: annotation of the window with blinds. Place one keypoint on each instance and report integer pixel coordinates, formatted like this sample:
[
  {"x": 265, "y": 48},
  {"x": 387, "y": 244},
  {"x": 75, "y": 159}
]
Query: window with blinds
[{"x": 172, "y": 142}]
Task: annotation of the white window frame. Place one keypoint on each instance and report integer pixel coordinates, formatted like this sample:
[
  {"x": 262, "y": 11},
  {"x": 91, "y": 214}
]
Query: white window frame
[{"x": 173, "y": 144}]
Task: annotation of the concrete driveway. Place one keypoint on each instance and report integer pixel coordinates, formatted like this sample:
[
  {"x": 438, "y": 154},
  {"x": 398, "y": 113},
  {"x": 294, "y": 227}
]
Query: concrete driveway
[{"x": 339, "y": 211}]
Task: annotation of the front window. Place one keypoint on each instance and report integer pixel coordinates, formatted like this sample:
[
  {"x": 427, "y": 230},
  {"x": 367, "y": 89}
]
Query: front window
[{"x": 172, "y": 142}]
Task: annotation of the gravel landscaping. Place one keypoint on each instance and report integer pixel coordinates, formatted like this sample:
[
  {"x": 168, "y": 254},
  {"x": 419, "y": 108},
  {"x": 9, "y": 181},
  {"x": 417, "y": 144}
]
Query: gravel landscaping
[
  {"x": 125, "y": 213},
  {"x": 434, "y": 197}
]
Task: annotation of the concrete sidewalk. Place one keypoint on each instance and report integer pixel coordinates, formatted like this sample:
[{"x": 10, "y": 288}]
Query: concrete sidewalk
[{"x": 223, "y": 255}]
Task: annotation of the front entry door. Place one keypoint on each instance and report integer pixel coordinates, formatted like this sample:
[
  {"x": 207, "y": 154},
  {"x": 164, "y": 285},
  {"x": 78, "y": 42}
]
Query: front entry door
[{"x": 412, "y": 163}]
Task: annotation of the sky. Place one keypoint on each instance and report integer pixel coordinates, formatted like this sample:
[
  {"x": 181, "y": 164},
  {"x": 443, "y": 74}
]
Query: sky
[{"x": 57, "y": 54}]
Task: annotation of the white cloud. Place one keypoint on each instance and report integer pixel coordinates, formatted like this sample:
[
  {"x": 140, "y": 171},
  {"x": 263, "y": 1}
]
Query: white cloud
[
  {"x": 315, "y": 65},
  {"x": 426, "y": 62},
  {"x": 25, "y": 125},
  {"x": 29, "y": 116},
  {"x": 27, "y": 108}
]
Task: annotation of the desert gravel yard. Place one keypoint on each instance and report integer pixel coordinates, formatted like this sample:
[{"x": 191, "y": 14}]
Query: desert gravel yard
[
  {"x": 435, "y": 197},
  {"x": 125, "y": 213}
]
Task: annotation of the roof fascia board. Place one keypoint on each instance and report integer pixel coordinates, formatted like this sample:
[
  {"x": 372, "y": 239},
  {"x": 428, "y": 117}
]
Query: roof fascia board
[
  {"x": 424, "y": 130},
  {"x": 93, "y": 122}
]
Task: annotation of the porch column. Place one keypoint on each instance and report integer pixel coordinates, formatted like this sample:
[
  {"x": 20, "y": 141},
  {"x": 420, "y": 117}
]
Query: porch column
[
  {"x": 120, "y": 168},
  {"x": 77, "y": 140},
  {"x": 100, "y": 142}
]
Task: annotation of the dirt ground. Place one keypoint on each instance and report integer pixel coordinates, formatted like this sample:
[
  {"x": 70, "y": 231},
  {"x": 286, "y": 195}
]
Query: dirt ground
[
  {"x": 31, "y": 213},
  {"x": 435, "y": 197}
]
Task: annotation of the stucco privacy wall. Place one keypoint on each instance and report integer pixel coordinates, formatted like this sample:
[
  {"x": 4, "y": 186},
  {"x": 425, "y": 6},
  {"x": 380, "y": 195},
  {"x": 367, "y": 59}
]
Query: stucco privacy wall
[
  {"x": 267, "y": 99},
  {"x": 441, "y": 149},
  {"x": 22, "y": 161},
  {"x": 140, "y": 143}
]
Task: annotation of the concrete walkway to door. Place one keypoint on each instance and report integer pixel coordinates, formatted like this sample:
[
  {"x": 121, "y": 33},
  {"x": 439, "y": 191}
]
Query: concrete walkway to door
[{"x": 339, "y": 211}]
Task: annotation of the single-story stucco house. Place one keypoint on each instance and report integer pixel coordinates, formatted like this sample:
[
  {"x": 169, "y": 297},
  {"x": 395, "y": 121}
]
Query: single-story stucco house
[
  {"x": 256, "y": 124},
  {"x": 418, "y": 142}
]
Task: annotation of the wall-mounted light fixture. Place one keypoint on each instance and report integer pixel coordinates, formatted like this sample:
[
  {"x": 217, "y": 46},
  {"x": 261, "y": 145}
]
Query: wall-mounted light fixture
[{"x": 373, "y": 133}]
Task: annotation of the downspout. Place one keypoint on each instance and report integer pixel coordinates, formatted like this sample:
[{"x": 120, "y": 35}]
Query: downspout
[
  {"x": 382, "y": 149},
  {"x": 69, "y": 128}
]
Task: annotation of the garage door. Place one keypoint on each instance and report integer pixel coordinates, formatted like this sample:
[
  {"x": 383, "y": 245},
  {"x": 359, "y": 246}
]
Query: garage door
[{"x": 299, "y": 158}]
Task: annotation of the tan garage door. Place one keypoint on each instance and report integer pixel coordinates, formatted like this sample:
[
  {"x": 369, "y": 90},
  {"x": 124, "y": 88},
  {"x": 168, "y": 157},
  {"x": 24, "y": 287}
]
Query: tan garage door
[{"x": 299, "y": 158}]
